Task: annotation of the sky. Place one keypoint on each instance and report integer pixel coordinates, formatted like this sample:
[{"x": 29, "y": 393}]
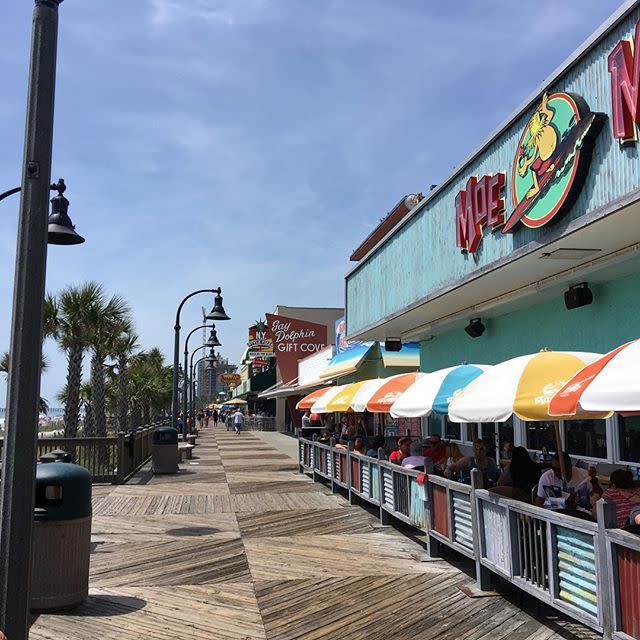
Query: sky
[{"x": 253, "y": 144}]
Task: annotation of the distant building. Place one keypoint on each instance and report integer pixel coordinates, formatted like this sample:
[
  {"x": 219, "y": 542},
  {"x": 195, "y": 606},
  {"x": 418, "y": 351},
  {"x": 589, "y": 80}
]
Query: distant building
[{"x": 209, "y": 386}]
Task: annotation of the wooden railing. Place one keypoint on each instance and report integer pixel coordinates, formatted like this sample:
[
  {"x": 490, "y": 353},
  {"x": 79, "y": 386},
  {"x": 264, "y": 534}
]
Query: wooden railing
[
  {"x": 112, "y": 459},
  {"x": 588, "y": 570}
]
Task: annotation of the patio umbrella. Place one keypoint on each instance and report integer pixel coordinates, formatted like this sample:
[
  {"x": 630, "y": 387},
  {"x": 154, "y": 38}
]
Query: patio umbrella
[
  {"x": 236, "y": 401},
  {"x": 434, "y": 392},
  {"x": 522, "y": 386},
  {"x": 320, "y": 405},
  {"x": 342, "y": 401},
  {"x": 309, "y": 400},
  {"x": 390, "y": 391},
  {"x": 611, "y": 383}
]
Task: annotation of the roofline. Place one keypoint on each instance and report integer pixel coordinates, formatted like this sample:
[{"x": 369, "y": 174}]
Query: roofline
[{"x": 590, "y": 43}]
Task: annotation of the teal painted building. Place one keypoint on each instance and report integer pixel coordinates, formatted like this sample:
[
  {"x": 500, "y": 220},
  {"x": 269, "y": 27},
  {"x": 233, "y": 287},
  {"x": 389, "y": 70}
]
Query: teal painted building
[{"x": 427, "y": 277}]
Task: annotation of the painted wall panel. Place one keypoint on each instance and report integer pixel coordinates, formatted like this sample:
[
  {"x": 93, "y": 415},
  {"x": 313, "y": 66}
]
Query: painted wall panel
[
  {"x": 422, "y": 256},
  {"x": 612, "y": 319}
]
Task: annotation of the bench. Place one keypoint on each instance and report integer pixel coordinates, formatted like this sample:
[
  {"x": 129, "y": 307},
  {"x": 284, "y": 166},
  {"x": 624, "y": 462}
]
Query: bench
[{"x": 186, "y": 450}]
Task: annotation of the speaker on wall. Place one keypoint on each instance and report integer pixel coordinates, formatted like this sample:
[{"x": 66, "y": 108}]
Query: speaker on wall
[{"x": 578, "y": 295}]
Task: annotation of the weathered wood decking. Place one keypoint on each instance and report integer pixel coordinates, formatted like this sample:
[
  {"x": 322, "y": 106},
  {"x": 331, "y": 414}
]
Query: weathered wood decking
[{"x": 239, "y": 546}]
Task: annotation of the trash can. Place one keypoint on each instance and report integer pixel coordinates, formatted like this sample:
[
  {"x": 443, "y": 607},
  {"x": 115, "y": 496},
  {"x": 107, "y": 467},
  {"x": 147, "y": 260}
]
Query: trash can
[
  {"x": 61, "y": 543},
  {"x": 164, "y": 454}
]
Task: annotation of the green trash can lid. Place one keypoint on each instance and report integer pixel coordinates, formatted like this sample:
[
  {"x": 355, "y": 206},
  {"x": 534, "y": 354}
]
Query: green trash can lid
[
  {"x": 165, "y": 435},
  {"x": 63, "y": 492}
]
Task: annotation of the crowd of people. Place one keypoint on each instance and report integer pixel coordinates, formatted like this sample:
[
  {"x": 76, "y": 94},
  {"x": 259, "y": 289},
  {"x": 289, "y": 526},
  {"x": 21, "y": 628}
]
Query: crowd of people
[{"x": 521, "y": 478}]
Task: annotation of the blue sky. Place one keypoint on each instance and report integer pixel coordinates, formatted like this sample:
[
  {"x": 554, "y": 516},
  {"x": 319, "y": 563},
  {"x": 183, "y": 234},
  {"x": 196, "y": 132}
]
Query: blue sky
[{"x": 253, "y": 144}]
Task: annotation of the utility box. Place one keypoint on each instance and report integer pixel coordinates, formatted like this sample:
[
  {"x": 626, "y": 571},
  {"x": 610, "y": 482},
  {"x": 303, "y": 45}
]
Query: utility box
[
  {"x": 61, "y": 543},
  {"x": 164, "y": 454}
]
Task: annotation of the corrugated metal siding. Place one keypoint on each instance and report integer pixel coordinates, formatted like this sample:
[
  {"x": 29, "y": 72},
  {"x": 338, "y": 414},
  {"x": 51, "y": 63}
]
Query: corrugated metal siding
[
  {"x": 387, "y": 488},
  {"x": 422, "y": 257},
  {"x": 440, "y": 510},
  {"x": 330, "y": 464},
  {"x": 462, "y": 529},
  {"x": 577, "y": 569},
  {"x": 629, "y": 585},
  {"x": 343, "y": 467},
  {"x": 496, "y": 543},
  {"x": 401, "y": 494},
  {"x": 532, "y": 550},
  {"x": 364, "y": 480}
]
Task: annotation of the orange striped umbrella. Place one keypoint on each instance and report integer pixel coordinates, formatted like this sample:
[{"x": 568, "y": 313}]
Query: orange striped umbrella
[
  {"x": 390, "y": 391},
  {"x": 308, "y": 401}
]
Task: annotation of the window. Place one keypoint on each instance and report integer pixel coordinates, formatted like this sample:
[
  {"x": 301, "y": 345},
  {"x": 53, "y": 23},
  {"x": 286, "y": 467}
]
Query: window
[
  {"x": 452, "y": 430},
  {"x": 539, "y": 435},
  {"x": 487, "y": 432},
  {"x": 505, "y": 432},
  {"x": 629, "y": 435},
  {"x": 434, "y": 425},
  {"x": 586, "y": 438}
]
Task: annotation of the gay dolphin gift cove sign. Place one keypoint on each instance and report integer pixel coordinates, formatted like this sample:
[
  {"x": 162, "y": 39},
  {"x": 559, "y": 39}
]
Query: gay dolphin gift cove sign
[{"x": 293, "y": 340}]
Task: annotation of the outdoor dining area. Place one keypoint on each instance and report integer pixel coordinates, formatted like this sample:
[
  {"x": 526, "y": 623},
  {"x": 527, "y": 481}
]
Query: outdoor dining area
[{"x": 567, "y": 537}]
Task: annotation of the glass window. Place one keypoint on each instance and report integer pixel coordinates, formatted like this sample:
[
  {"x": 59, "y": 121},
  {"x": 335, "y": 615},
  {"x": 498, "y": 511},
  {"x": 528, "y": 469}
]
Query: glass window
[
  {"x": 629, "y": 434},
  {"x": 434, "y": 425},
  {"x": 540, "y": 435},
  {"x": 452, "y": 430},
  {"x": 505, "y": 433},
  {"x": 487, "y": 431},
  {"x": 586, "y": 438}
]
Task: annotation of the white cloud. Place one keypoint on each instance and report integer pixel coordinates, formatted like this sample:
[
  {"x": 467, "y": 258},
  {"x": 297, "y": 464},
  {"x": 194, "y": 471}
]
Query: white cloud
[{"x": 165, "y": 13}]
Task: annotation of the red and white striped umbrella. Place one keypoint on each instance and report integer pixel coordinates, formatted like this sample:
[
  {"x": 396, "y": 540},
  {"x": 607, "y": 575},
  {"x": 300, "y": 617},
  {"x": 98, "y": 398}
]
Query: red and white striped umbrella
[{"x": 610, "y": 383}]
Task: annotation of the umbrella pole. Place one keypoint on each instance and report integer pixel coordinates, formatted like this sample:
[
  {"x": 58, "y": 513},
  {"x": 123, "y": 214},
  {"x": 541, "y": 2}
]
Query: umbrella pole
[
  {"x": 563, "y": 468},
  {"x": 472, "y": 426}
]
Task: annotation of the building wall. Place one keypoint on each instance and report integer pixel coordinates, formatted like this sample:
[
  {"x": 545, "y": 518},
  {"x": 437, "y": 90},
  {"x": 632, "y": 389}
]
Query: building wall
[
  {"x": 612, "y": 319},
  {"x": 422, "y": 257}
]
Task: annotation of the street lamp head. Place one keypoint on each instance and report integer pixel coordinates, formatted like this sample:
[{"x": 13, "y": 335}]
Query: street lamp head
[
  {"x": 213, "y": 338},
  {"x": 218, "y": 312},
  {"x": 212, "y": 356},
  {"x": 61, "y": 229}
]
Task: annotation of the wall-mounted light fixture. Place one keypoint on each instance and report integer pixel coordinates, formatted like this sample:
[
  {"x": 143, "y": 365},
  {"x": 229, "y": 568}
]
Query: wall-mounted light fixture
[{"x": 475, "y": 328}]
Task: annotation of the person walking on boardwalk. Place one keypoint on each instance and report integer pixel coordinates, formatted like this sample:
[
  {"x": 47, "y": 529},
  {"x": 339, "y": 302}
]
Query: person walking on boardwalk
[
  {"x": 215, "y": 417},
  {"x": 238, "y": 420}
]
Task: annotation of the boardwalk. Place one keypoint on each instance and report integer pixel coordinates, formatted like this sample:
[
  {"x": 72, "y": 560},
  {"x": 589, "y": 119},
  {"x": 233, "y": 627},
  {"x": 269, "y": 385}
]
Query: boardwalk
[{"x": 238, "y": 546}]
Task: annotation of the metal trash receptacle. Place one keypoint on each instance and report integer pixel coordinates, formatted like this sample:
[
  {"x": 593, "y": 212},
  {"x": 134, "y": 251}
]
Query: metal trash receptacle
[
  {"x": 164, "y": 450},
  {"x": 61, "y": 543}
]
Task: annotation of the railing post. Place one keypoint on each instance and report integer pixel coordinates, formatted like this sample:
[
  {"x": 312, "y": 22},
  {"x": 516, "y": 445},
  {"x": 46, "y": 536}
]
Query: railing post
[
  {"x": 332, "y": 444},
  {"x": 607, "y": 570},
  {"x": 314, "y": 475},
  {"x": 433, "y": 547},
  {"x": 483, "y": 575},
  {"x": 353, "y": 498},
  {"x": 300, "y": 456},
  {"x": 120, "y": 475}
]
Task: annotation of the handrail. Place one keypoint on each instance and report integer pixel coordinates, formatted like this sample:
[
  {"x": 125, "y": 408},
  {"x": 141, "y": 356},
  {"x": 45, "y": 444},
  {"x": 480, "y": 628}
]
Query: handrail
[{"x": 588, "y": 570}]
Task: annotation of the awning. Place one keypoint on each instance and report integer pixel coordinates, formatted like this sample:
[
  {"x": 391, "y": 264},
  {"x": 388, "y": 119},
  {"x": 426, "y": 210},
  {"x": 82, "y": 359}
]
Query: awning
[
  {"x": 308, "y": 401},
  {"x": 280, "y": 389},
  {"x": 434, "y": 392},
  {"x": 408, "y": 356},
  {"x": 390, "y": 391},
  {"x": 347, "y": 361}
]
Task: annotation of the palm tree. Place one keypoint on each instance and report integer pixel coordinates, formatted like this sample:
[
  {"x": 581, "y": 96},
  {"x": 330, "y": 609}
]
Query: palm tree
[
  {"x": 67, "y": 318},
  {"x": 124, "y": 346},
  {"x": 5, "y": 362},
  {"x": 107, "y": 321}
]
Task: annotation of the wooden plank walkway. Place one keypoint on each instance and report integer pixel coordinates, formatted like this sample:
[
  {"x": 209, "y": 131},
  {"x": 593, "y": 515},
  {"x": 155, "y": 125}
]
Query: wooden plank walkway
[{"x": 239, "y": 546}]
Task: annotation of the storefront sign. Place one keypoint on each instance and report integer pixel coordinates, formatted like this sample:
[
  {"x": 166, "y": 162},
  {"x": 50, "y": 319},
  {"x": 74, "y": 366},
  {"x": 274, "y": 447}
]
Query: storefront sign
[
  {"x": 624, "y": 67},
  {"x": 552, "y": 159},
  {"x": 259, "y": 344},
  {"x": 480, "y": 204},
  {"x": 229, "y": 378},
  {"x": 293, "y": 340}
]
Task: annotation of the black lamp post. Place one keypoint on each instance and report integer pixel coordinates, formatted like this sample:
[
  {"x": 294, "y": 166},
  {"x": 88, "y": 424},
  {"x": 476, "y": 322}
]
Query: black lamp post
[
  {"x": 212, "y": 358},
  {"x": 216, "y": 313},
  {"x": 60, "y": 229},
  {"x": 23, "y": 387}
]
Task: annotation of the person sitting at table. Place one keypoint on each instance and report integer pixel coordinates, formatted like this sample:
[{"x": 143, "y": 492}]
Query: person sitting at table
[
  {"x": 519, "y": 476},
  {"x": 479, "y": 460},
  {"x": 343, "y": 443},
  {"x": 578, "y": 478},
  {"x": 325, "y": 436},
  {"x": 358, "y": 445},
  {"x": 415, "y": 459},
  {"x": 436, "y": 450},
  {"x": 622, "y": 492},
  {"x": 634, "y": 516},
  {"x": 403, "y": 451},
  {"x": 376, "y": 443}
]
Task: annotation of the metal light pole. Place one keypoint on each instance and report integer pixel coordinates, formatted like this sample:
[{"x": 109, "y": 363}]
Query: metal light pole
[
  {"x": 217, "y": 313},
  {"x": 211, "y": 356},
  {"x": 211, "y": 342},
  {"x": 23, "y": 388}
]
